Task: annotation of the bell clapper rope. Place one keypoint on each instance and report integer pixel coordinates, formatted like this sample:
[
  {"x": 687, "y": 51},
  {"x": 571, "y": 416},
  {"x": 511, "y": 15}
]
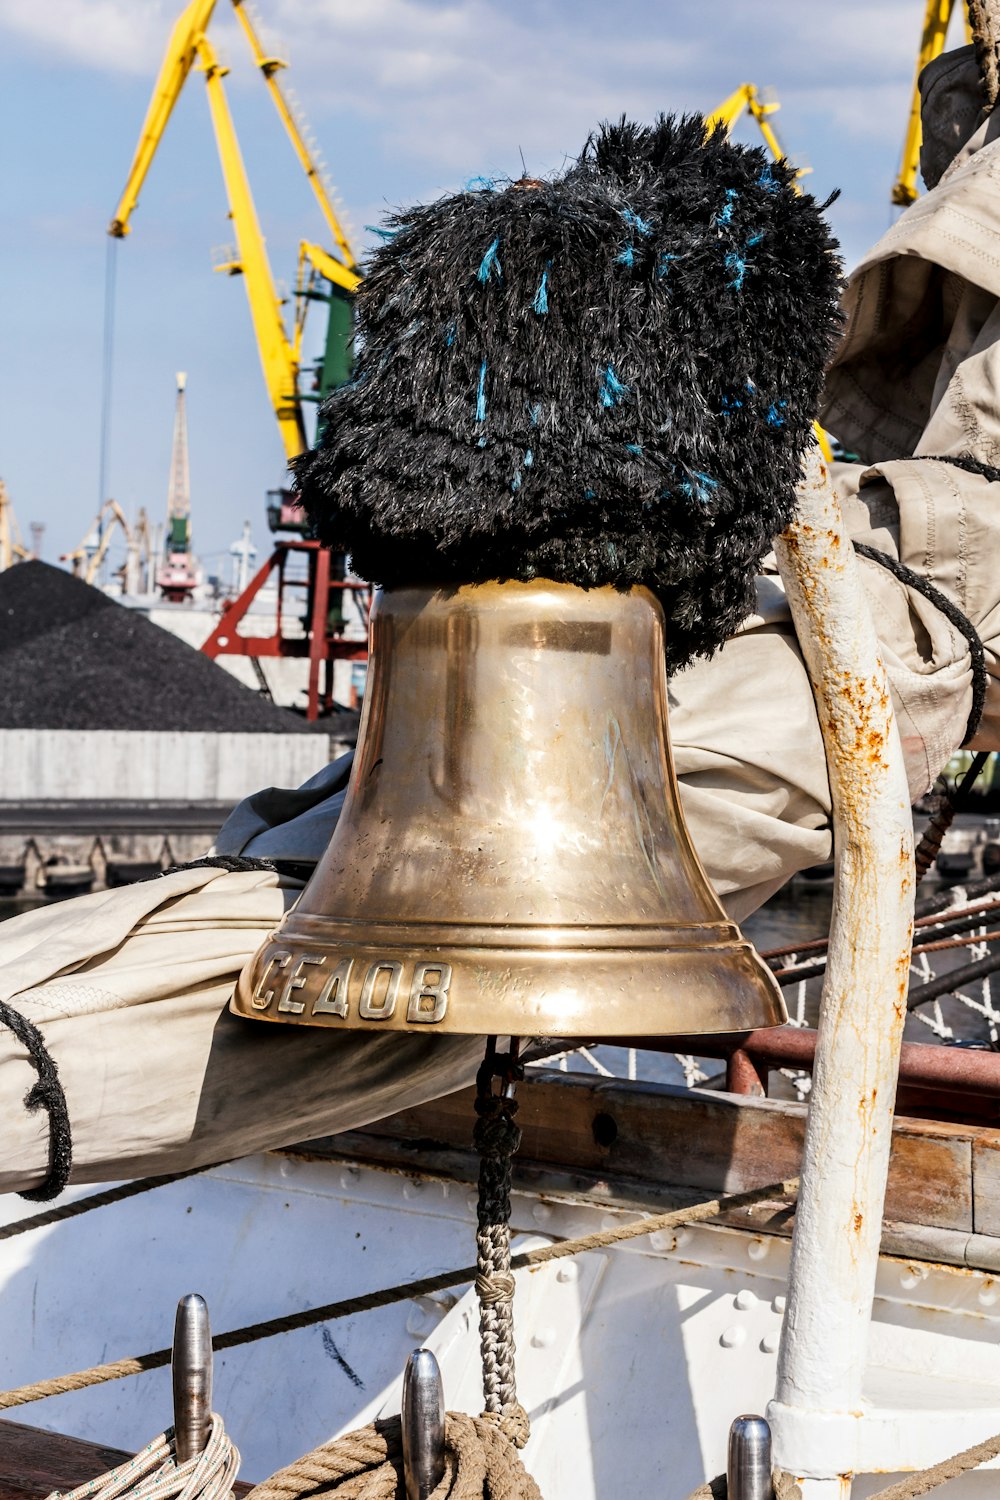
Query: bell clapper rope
[{"x": 496, "y": 1137}]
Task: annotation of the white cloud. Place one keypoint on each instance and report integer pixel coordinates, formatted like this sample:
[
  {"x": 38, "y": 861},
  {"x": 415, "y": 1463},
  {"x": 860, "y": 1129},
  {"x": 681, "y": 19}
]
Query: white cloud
[
  {"x": 464, "y": 84},
  {"x": 448, "y": 88},
  {"x": 114, "y": 36}
]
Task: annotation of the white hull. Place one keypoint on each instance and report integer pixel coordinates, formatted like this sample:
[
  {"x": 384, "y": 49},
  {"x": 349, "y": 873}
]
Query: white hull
[{"x": 632, "y": 1361}]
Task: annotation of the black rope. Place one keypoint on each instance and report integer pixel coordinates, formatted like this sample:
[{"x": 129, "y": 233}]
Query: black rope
[
  {"x": 951, "y": 799},
  {"x": 47, "y": 1093},
  {"x": 951, "y": 612},
  {"x": 236, "y": 864},
  {"x": 496, "y": 1137},
  {"x": 963, "y": 461}
]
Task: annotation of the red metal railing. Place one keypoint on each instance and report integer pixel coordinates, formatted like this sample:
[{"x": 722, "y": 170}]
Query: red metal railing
[{"x": 957, "y": 1082}]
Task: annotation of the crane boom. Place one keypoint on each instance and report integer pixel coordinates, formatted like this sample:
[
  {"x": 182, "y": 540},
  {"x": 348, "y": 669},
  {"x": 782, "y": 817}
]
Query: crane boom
[
  {"x": 747, "y": 97},
  {"x": 329, "y": 267},
  {"x": 277, "y": 356},
  {"x": 270, "y": 66},
  {"x": 12, "y": 548},
  {"x": 178, "y": 60},
  {"x": 86, "y": 560},
  {"x": 937, "y": 16}
]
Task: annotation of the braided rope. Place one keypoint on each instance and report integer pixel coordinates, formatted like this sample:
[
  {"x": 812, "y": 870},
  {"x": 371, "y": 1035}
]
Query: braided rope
[
  {"x": 155, "y": 1474},
  {"x": 923, "y": 1480},
  {"x": 496, "y": 1137},
  {"x": 80, "y": 1380}
]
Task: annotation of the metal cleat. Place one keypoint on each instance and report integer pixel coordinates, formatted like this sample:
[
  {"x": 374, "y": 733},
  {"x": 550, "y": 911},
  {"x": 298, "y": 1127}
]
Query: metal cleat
[
  {"x": 748, "y": 1471},
  {"x": 191, "y": 1368},
  {"x": 423, "y": 1425}
]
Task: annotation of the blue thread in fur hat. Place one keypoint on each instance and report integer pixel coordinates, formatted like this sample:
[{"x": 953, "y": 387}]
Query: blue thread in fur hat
[{"x": 415, "y": 470}]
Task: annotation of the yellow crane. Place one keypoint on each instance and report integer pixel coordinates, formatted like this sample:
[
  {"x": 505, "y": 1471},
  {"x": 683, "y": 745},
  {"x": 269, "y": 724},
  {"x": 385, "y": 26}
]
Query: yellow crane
[
  {"x": 937, "y": 16},
  {"x": 280, "y": 355},
  {"x": 139, "y": 569},
  {"x": 85, "y": 561},
  {"x": 749, "y": 98},
  {"x": 12, "y": 548}
]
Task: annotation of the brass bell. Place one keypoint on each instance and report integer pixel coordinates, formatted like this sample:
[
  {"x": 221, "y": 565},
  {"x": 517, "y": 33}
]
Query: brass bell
[{"x": 511, "y": 857}]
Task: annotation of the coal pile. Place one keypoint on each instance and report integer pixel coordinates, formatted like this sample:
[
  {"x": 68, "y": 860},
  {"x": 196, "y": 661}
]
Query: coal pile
[{"x": 71, "y": 658}]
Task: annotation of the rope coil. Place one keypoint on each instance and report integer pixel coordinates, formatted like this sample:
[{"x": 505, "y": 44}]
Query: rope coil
[
  {"x": 480, "y": 1464},
  {"x": 155, "y": 1474}
]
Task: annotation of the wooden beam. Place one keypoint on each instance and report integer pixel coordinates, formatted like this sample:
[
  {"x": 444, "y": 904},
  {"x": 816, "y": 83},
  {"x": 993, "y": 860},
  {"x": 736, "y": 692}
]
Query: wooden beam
[
  {"x": 609, "y": 1138},
  {"x": 34, "y": 1462}
]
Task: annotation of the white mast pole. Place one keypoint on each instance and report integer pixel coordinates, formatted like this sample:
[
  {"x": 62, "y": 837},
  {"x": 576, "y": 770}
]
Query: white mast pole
[{"x": 817, "y": 1412}]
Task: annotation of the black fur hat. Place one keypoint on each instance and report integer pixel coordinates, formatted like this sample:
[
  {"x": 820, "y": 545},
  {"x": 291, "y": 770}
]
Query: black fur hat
[{"x": 607, "y": 378}]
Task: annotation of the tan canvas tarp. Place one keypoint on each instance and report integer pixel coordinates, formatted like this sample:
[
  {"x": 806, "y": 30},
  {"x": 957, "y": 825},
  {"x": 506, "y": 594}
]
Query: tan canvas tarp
[{"x": 130, "y": 987}]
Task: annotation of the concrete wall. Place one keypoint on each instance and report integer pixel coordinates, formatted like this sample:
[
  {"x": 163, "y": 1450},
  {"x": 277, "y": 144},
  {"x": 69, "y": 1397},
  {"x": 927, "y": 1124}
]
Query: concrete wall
[{"x": 70, "y": 764}]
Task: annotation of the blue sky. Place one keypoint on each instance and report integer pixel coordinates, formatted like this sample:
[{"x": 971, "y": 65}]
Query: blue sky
[{"x": 408, "y": 99}]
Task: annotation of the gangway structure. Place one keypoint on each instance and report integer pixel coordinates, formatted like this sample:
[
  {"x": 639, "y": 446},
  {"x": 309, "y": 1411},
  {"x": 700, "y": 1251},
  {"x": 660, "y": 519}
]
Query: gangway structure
[{"x": 323, "y": 275}]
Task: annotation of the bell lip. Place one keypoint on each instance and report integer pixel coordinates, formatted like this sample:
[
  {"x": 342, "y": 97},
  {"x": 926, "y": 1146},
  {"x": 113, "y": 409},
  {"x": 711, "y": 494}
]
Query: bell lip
[
  {"x": 542, "y": 992},
  {"x": 313, "y": 930},
  {"x": 446, "y": 589}
]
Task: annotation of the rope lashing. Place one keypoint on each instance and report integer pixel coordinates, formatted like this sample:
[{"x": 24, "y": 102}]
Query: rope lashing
[
  {"x": 46, "y": 1093},
  {"x": 480, "y": 1464},
  {"x": 155, "y": 1474},
  {"x": 386, "y": 1297},
  {"x": 955, "y": 616},
  {"x": 933, "y": 835},
  {"x": 496, "y": 1137},
  {"x": 785, "y": 1488}
]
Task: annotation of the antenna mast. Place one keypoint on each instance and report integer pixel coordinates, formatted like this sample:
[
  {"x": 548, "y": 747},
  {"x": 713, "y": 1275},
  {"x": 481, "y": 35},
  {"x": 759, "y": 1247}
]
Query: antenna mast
[
  {"x": 179, "y": 492},
  {"x": 177, "y": 577}
]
